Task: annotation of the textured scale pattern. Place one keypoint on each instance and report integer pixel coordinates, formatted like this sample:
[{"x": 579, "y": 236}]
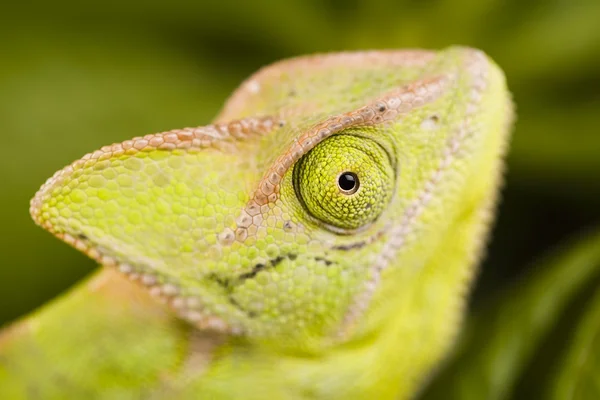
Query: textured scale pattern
[
  {"x": 243, "y": 230},
  {"x": 149, "y": 206},
  {"x": 318, "y": 177}
]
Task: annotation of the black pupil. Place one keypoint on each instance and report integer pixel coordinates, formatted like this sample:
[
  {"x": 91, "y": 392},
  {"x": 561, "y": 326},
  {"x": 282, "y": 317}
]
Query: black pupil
[{"x": 348, "y": 181}]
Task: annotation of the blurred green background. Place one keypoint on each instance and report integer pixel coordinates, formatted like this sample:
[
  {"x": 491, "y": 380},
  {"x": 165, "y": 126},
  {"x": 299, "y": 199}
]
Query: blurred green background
[{"x": 75, "y": 77}]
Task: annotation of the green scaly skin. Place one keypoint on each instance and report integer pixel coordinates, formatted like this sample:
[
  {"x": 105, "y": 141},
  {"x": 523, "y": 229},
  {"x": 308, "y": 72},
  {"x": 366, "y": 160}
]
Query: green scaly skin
[{"x": 241, "y": 261}]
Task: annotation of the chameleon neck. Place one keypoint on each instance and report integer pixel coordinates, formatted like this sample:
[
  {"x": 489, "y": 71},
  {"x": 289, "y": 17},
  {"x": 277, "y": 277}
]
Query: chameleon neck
[{"x": 137, "y": 342}]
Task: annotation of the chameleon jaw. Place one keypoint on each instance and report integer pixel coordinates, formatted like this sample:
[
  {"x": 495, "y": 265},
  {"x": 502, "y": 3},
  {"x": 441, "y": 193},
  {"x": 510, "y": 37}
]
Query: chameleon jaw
[{"x": 188, "y": 307}]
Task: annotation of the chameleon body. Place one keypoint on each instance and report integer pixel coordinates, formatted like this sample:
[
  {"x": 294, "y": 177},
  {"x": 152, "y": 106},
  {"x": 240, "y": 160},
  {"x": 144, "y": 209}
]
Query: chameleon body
[{"x": 316, "y": 242}]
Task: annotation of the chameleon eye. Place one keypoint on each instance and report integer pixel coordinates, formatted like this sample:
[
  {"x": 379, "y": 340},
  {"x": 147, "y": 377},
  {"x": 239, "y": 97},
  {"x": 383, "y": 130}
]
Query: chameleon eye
[{"x": 346, "y": 181}]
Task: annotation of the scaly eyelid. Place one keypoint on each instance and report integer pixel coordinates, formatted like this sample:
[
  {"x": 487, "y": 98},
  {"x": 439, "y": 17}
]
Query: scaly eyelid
[{"x": 312, "y": 184}]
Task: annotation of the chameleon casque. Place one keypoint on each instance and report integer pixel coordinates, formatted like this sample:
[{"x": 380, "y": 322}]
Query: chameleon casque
[{"x": 318, "y": 241}]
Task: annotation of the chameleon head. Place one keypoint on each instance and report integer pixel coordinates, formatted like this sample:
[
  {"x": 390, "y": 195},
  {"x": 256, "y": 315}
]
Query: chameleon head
[{"x": 320, "y": 195}]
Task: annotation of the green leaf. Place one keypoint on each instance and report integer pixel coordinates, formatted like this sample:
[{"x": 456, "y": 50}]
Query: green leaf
[
  {"x": 579, "y": 377},
  {"x": 502, "y": 337}
]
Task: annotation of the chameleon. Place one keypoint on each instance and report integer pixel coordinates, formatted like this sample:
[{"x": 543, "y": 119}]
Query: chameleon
[{"x": 317, "y": 241}]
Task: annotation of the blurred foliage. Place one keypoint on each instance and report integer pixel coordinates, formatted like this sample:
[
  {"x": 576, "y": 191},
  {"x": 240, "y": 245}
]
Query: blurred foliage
[
  {"x": 510, "y": 343},
  {"x": 75, "y": 76}
]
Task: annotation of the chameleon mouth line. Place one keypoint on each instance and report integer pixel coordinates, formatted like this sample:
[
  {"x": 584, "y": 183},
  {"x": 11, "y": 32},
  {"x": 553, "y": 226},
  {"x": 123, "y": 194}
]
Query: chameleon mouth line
[{"x": 229, "y": 285}]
